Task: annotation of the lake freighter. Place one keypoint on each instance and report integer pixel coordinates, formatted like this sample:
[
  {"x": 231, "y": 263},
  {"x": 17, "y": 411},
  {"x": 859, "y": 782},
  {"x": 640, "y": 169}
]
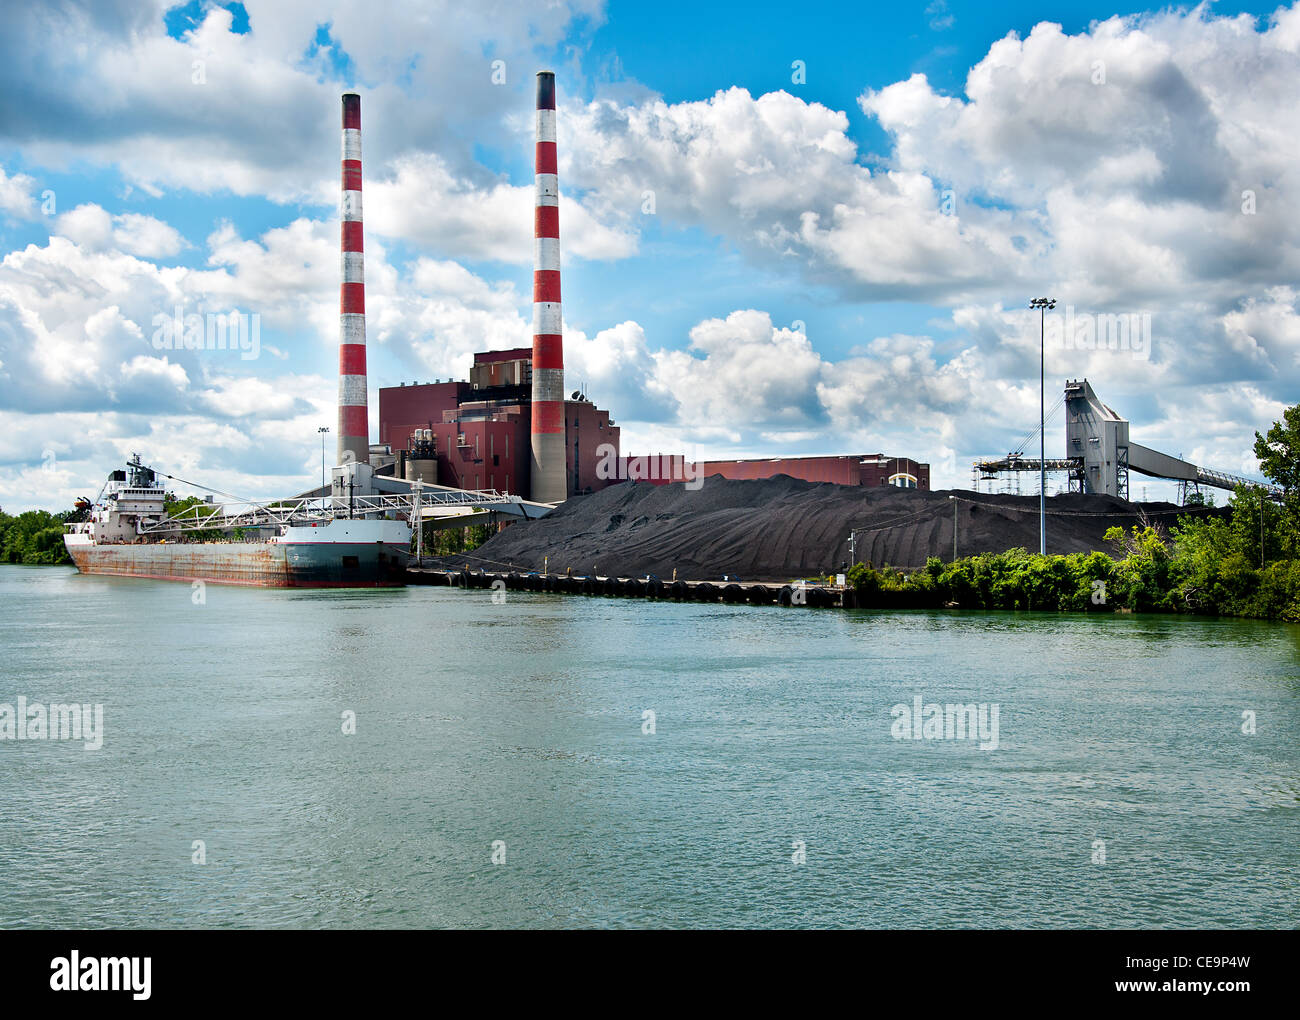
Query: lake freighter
[{"x": 297, "y": 543}]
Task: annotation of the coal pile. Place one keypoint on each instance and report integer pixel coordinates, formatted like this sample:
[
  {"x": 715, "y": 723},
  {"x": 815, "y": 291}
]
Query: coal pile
[{"x": 781, "y": 528}]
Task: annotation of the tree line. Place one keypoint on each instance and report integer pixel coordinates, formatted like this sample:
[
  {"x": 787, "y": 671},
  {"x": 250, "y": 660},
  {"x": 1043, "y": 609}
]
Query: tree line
[{"x": 35, "y": 536}]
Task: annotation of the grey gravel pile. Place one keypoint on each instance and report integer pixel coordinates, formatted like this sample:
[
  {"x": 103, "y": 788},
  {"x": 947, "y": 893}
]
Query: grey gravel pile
[{"x": 781, "y": 528}]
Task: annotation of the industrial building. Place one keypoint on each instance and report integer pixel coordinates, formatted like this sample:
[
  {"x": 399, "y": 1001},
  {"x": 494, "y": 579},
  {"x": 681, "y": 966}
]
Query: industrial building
[
  {"x": 845, "y": 469},
  {"x": 476, "y": 434},
  {"x": 479, "y": 431},
  {"x": 848, "y": 469}
]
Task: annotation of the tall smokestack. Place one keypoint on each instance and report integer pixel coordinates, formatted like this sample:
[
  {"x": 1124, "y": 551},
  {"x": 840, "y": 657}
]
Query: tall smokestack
[
  {"x": 549, "y": 474},
  {"x": 354, "y": 415}
]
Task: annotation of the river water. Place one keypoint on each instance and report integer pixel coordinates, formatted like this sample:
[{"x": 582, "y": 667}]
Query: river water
[{"x": 772, "y": 791}]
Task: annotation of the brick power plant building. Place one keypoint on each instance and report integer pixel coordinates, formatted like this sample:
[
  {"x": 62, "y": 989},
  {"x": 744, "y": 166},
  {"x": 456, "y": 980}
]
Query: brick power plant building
[
  {"x": 475, "y": 435},
  {"x": 479, "y": 431}
]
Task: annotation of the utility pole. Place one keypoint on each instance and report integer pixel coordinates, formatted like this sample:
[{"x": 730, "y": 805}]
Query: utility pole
[
  {"x": 1042, "y": 304},
  {"x": 853, "y": 548}
]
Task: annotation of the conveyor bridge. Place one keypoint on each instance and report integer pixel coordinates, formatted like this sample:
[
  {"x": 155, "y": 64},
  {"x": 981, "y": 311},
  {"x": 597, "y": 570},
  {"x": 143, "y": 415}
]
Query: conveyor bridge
[{"x": 1100, "y": 454}]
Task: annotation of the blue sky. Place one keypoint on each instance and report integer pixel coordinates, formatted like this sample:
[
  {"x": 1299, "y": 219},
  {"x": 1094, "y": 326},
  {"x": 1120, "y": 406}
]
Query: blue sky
[{"x": 800, "y": 287}]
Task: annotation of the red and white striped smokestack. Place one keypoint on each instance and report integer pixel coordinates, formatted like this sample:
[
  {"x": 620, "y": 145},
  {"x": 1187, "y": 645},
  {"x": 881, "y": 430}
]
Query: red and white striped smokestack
[
  {"x": 549, "y": 473},
  {"x": 354, "y": 414}
]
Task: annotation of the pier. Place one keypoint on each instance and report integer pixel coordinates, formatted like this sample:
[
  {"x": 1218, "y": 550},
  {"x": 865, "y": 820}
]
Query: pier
[{"x": 754, "y": 593}]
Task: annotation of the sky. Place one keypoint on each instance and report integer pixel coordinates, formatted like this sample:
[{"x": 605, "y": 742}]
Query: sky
[{"x": 785, "y": 230}]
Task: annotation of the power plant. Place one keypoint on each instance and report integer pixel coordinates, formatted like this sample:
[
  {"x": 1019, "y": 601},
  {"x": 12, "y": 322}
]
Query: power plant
[
  {"x": 467, "y": 434},
  {"x": 504, "y": 445}
]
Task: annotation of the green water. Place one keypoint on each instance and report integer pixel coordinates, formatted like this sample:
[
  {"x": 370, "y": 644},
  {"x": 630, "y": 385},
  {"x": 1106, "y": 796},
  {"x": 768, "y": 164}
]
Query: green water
[{"x": 522, "y": 723}]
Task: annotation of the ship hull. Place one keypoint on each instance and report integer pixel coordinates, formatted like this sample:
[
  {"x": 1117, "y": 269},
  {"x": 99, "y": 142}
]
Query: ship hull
[{"x": 299, "y": 560}]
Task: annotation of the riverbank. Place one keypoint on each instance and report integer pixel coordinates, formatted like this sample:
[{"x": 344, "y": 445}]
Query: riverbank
[
  {"x": 1156, "y": 574},
  {"x": 816, "y": 594}
]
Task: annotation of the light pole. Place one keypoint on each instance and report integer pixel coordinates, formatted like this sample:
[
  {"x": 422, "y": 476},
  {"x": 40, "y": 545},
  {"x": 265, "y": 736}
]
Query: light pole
[
  {"x": 1042, "y": 304},
  {"x": 322, "y": 430},
  {"x": 1261, "y": 528},
  {"x": 954, "y": 527},
  {"x": 419, "y": 524}
]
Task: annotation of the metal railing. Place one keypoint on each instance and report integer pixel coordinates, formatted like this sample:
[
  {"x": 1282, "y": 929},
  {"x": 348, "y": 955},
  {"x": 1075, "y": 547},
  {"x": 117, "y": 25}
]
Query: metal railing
[
  {"x": 1205, "y": 476},
  {"x": 1224, "y": 480},
  {"x": 315, "y": 510},
  {"x": 1014, "y": 462}
]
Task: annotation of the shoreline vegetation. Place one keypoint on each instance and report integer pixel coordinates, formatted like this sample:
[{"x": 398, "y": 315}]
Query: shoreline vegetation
[
  {"x": 35, "y": 536},
  {"x": 1192, "y": 570}
]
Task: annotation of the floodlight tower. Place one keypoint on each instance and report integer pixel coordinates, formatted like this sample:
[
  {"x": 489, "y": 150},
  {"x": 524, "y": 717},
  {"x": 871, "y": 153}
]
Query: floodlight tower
[{"x": 1042, "y": 304}]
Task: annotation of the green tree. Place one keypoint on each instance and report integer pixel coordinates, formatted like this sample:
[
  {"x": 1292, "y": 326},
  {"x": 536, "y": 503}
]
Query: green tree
[
  {"x": 1278, "y": 454},
  {"x": 1142, "y": 579},
  {"x": 198, "y": 508},
  {"x": 35, "y": 536}
]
